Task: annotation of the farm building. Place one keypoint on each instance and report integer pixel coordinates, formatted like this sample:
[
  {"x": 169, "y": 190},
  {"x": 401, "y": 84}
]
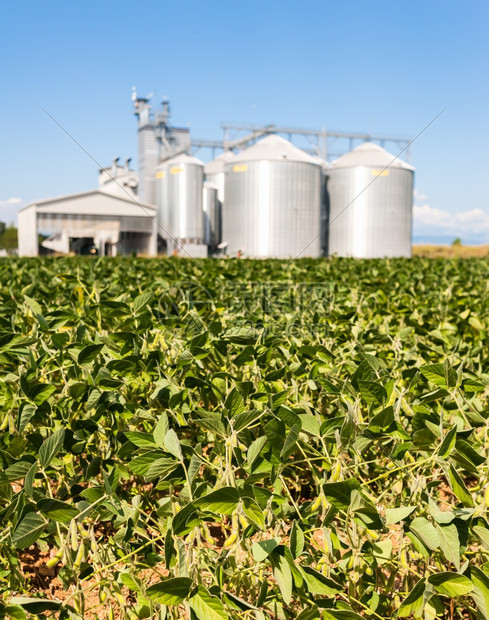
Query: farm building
[{"x": 106, "y": 221}]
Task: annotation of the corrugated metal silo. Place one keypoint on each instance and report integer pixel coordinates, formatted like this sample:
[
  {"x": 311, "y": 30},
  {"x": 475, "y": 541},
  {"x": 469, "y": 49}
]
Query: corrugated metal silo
[
  {"x": 272, "y": 201},
  {"x": 184, "y": 182},
  {"x": 162, "y": 200},
  {"x": 371, "y": 194},
  {"x": 212, "y": 215},
  {"x": 325, "y": 168},
  {"x": 214, "y": 172}
]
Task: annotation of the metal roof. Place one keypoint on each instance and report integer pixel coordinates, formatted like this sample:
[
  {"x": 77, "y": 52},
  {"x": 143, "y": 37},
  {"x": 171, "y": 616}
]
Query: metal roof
[
  {"x": 273, "y": 148},
  {"x": 325, "y": 165},
  {"x": 94, "y": 202},
  {"x": 217, "y": 165},
  {"x": 183, "y": 158},
  {"x": 370, "y": 154}
]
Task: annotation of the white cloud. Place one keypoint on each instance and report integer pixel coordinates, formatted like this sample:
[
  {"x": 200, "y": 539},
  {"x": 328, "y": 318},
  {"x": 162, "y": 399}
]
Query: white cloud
[
  {"x": 11, "y": 201},
  {"x": 9, "y": 209},
  {"x": 424, "y": 215},
  {"x": 472, "y": 223}
]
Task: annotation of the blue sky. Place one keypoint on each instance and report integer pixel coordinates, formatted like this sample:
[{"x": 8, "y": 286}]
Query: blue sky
[{"x": 385, "y": 66}]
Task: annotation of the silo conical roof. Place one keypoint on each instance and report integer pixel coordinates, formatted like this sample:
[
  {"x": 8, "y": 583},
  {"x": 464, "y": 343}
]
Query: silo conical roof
[
  {"x": 325, "y": 165},
  {"x": 183, "y": 158},
  {"x": 217, "y": 165},
  {"x": 370, "y": 154},
  {"x": 273, "y": 148}
]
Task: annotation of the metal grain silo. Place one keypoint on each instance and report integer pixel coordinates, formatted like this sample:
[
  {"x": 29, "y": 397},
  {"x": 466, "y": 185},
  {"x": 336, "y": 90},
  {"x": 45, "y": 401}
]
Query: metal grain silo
[
  {"x": 371, "y": 193},
  {"x": 324, "y": 219},
  {"x": 184, "y": 216},
  {"x": 212, "y": 215},
  {"x": 272, "y": 201},
  {"x": 162, "y": 200},
  {"x": 214, "y": 172}
]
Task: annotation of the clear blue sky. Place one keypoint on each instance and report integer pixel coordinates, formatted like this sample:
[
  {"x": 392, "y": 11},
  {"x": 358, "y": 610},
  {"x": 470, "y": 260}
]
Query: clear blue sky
[{"x": 385, "y": 66}]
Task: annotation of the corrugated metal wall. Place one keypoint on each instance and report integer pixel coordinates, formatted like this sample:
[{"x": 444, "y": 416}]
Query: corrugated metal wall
[
  {"x": 272, "y": 209},
  {"x": 370, "y": 219}
]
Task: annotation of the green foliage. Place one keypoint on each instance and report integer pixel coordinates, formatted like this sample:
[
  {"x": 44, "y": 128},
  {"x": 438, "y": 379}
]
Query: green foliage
[
  {"x": 8, "y": 237},
  {"x": 245, "y": 439}
]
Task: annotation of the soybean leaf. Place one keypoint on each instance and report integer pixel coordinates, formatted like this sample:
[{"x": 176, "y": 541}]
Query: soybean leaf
[
  {"x": 297, "y": 574},
  {"x": 141, "y": 463},
  {"x": 382, "y": 551},
  {"x": 212, "y": 422},
  {"x": 207, "y": 607},
  {"x": 35, "y": 605},
  {"x": 172, "y": 444},
  {"x": 425, "y": 531},
  {"x": 310, "y": 424},
  {"x": 317, "y": 583},
  {"x": 449, "y": 543},
  {"x": 51, "y": 447},
  {"x": 282, "y": 574},
  {"x": 471, "y": 386},
  {"x": 255, "y": 448},
  {"x": 296, "y": 540},
  {"x": 365, "y": 511},
  {"x": 254, "y": 513},
  {"x": 170, "y": 591},
  {"x": 451, "y": 584},
  {"x": 40, "y": 392},
  {"x": 161, "y": 467},
  {"x": 223, "y": 500},
  {"x": 130, "y": 582},
  {"x": 89, "y": 353},
  {"x": 414, "y": 600},
  {"x": 373, "y": 393},
  {"x": 237, "y": 603},
  {"x": 182, "y": 519},
  {"x": 29, "y": 480},
  {"x": 341, "y": 614},
  {"x": 443, "y": 517},
  {"x": 245, "y": 419},
  {"x": 290, "y": 441},
  {"x": 482, "y": 534},
  {"x": 261, "y": 550},
  {"x": 16, "y": 471},
  {"x": 33, "y": 305},
  {"x": 26, "y": 413},
  {"x": 459, "y": 488},
  {"x": 194, "y": 465},
  {"x": 339, "y": 493},
  {"x": 57, "y": 510},
  {"x": 160, "y": 430},
  {"x": 395, "y": 515},
  {"x": 467, "y": 451},
  {"x": 28, "y": 530},
  {"x": 440, "y": 374},
  {"x": 448, "y": 442},
  {"x": 142, "y": 301},
  {"x": 480, "y": 593},
  {"x": 234, "y": 403},
  {"x": 169, "y": 548}
]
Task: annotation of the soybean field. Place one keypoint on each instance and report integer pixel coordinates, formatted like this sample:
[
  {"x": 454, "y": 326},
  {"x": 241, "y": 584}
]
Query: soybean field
[{"x": 236, "y": 439}]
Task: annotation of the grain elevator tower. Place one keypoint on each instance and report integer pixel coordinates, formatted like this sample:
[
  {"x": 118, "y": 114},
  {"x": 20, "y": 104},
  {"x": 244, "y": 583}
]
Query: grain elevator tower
[{"x": 157, "y": 142}]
